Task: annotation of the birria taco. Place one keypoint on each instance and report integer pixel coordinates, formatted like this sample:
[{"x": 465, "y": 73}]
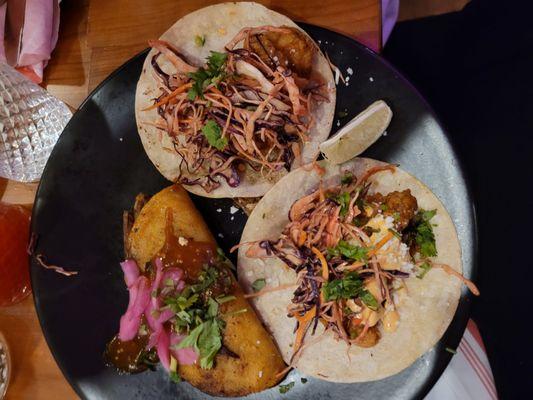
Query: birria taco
[
  {"x": 358, "y": 268},
  {"x": 231, "y": 98}
]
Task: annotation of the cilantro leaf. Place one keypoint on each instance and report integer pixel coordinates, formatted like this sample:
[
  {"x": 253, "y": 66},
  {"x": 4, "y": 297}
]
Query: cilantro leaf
[
  {"x": 213, "y": 133},
  {"x": 199, "y": 40},
  {"x": 425, "y": 238},
  {"x": 209, "y": 343},
  {"x": 203, "y": 77},
  {"x": 174, "y": 377},
  {"x": 285, "y": 388},
  {"x": 347, "y": 178},
  {"x": 369, "y": 300},
  {"x": 212, "y": 308},
  {"x": 425, "y": 267},
  {"x": 350, "y": 251},
  {"x": 343, "y": 200},
  {"x": 348, "y": 287},
  {"x": 258, "y": 285},
  {"x": 192, "y": 339}
]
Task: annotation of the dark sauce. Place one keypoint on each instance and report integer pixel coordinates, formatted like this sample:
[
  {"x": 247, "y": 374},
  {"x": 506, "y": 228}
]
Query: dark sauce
[
  {"x": 126, "y": 356},
  {"x": 189, "y": 255},
  {"x": 185, "y": 253}
]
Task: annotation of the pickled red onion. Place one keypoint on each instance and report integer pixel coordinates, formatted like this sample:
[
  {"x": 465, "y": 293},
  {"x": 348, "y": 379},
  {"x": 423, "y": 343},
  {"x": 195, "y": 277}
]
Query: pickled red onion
[{"x": 131, "y": 271}]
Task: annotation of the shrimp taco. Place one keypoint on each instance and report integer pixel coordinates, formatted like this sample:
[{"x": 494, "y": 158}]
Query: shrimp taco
[
  {"x": 231, "y": 98},
  {"x": 357, "y": 266}
]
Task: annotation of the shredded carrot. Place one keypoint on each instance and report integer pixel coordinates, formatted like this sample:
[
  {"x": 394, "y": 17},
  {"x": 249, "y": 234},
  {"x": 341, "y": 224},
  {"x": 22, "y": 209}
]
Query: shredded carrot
[
  {"x": 449, "y": 270},
  {"x": 268, "y": 290},
  {"x": 351, "y": 267},
  {"x": 325, "y": 269},
  {"x": 380, "y": 244},
  {"x": 303, "y": 323},
  {"x": 375, "y": 170},
  {"x": 302, "y": 238},
  {"x": 168, "y": 97}
]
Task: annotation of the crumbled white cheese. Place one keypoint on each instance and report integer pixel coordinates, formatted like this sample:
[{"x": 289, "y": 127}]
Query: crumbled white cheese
[
  {"x": 233, "y": 210},
  {"x": 260, "y": 374},
  {"x": 407, "y": 267},
  {"x": 371, "y": 79},
  {"x": 219, "y": 210},
  {"x": 182, "y": 241},
  {"x": 349, "y": 70}
]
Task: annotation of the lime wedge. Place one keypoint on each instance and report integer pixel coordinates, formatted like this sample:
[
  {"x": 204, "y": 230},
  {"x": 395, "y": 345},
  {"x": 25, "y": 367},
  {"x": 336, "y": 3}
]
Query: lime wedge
[{"x": 358, "y": 134}]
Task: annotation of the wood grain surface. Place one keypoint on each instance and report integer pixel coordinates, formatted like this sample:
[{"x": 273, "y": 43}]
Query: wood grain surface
[{"x": 95, "y": 38}]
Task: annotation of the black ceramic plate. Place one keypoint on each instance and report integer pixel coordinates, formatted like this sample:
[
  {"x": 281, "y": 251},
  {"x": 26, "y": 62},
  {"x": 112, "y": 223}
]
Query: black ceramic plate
[{"x": 97, "y": 168}]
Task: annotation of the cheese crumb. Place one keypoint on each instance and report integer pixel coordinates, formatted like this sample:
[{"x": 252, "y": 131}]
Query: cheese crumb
[
  {"x": 233, "y": 210},
  {"x": 219, "y": 210},
  {"x": 371, "y": 79},
  {"x": 349, "y": 70},
  {"x": 182, "y": 241},
  {"x": 260, "y": 374}
]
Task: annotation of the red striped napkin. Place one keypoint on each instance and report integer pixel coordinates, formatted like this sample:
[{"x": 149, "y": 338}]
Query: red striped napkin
[{"x": 468, "y": 376}]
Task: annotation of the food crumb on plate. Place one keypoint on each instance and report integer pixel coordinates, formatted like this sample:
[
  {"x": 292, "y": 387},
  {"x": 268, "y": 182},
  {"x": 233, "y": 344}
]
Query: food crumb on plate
[
  {"x": 233, "y": 210},
  {"x": 220, "y": 235},
  {"x": 260, "y": 374},
  {"x": 349, "y": 70},
  {"x": 219, "y": 210},
  {"x": 371, "y": 79}
]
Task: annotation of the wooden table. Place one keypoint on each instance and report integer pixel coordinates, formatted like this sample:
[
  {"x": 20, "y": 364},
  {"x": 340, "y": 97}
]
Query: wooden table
[{"x": 96, "y": 37}]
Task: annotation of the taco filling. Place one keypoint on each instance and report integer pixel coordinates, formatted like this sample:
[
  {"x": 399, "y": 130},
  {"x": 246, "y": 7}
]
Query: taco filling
[
  {"x": 250, "y": 107},
  {"x": 176, "y": 303},
  {"x": 352, "y": 248}
]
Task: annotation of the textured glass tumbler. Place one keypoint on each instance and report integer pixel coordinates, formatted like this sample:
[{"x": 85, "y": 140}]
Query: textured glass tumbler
[{"x": 31, "y": 120}]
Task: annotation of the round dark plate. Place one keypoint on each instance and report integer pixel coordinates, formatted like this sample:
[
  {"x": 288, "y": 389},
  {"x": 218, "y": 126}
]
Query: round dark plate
[{"x": 97, "y": 168}]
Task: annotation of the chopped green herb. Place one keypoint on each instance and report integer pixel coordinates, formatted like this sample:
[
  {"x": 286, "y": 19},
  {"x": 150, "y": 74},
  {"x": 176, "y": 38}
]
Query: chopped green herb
[
  {"x": 169, "y": 282},
  {"x": 383, "y": 207},
  {"x": 424, "y": 236},
  {"x": 212, "y": 308},
  {"x": 342, "y": 114},
  {"x": 343, "y": 200},
  {"x": 199, "y": 40},
  {"x": 347, "y": 178},
  {"x": 204, "y": 77},
  {"x": 285, "y": 388},
  {"x": 241, "y": 311},
  {"x": 258, "y": 284},
  {"x": 396, "y": 215},
  {"x": 369, "y": 300},
  {"x": 303, "y": 380},
  {"x": 213, "y": 133},
  {"x": 450, "y": 350},
  {"x": 225, "y": 299},
  {"x": 425, "y": 267},
  {"x": 221, "y": 254},
  {"x": 350, "y": 286},
  {"x": 350, "y": 251},
  {"x": 174, "y": 377}
]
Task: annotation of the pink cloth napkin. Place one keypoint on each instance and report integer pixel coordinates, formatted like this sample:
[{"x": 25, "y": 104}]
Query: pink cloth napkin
[{"x": 29, "y": 31}]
